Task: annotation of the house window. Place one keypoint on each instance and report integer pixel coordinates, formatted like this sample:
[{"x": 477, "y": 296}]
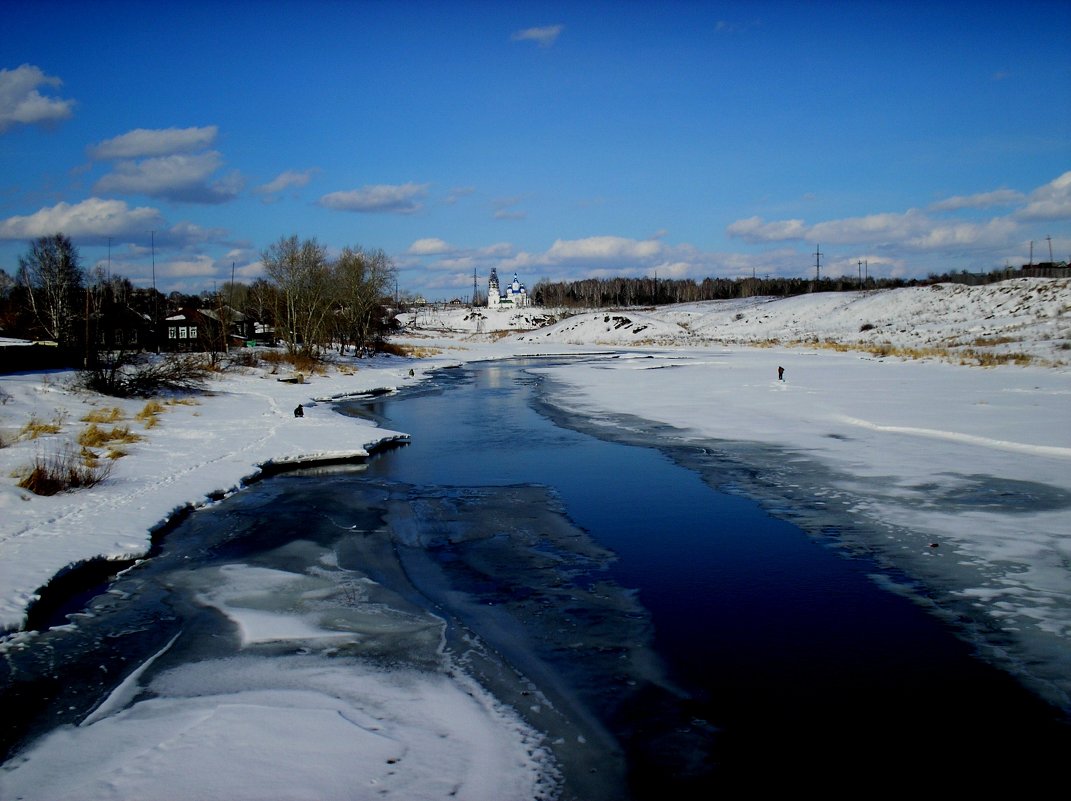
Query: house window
[
  {"x": 171, "y": 332},
  {"x": 100, "y": 337},
  {"x": 118, "y": 336},
  {"x": 133, "y": 336},
  {"x": 182, "y": 332},
  {"x": 193, "y": 332}
]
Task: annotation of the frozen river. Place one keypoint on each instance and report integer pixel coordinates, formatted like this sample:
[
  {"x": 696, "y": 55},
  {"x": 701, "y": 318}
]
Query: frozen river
[{"x": 655, "y": 637}]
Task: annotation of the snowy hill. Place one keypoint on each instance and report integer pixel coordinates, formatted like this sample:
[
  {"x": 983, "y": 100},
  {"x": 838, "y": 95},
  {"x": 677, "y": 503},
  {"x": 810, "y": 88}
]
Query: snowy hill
[{"x": 1021, "y": 321}]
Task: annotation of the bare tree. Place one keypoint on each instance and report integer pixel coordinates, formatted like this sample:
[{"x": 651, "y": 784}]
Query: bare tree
[
  {"x": 299, "y": 270},
  {"x": 53, "y": 279},
  {"x": 361, "y": 279}
]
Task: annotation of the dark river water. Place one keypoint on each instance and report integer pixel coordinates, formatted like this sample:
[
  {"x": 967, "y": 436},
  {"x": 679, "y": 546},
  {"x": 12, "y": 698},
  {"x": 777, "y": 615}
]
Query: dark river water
[{"x": 681, "y": 639}]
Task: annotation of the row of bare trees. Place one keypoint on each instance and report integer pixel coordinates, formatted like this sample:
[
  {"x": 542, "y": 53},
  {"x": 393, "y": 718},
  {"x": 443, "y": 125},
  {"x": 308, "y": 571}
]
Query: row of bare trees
[
  {"x": 317, "y": 302},
  {"x": 312, "y": 302}
]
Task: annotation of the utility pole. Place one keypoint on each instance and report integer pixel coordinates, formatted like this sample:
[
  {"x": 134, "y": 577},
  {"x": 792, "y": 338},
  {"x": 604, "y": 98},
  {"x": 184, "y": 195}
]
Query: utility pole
[
  {"x": 1049, "y": 238},
  {"x": 1031, "y": 264},
  {"x": 818, "y": 263},
  {"x": 155, "y": 307},
  {"x": 860, "y": 272}
]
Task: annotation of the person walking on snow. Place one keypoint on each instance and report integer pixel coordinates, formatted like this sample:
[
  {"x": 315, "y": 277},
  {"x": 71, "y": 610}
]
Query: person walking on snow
[{"x": 780, "y": 373}]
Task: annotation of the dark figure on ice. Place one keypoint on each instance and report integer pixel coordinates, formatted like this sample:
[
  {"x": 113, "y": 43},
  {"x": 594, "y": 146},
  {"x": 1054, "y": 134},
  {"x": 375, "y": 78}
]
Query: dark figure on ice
[
  {"x": 299, "y": 411},
  {"x": 780, "y": 373}
]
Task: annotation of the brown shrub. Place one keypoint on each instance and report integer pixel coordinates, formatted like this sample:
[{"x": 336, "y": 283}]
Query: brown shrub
[{"x": 62, "y": 472}]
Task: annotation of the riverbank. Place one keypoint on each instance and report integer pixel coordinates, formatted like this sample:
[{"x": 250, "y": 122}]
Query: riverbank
[
  {"x": 192, "y": 450},
  {"x": 959, "y": 475}
]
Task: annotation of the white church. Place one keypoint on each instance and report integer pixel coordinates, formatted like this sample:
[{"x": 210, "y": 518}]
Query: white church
[{"x": 514, "y": 297}]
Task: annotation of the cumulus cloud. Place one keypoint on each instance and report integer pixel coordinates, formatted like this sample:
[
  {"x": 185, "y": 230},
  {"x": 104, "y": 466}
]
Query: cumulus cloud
[
  {"x": 1049, "y": 202},
  {"x": 755, "y": 230},
  {"x": 187, "y": 234},
  {"x": 603, "y": 248},
  {"x": 179, "y": 177},
  {"x": 430, "y": 246},
  {"x": 872, "y": 228},
  {"x": 286, "y": 180},
  {"x": 202, "y": 265},
  {"x": 505, "y": 209},
  {"x": 983, "y": 200},
  {"x": 22, "y": 103},
  {"x": 146, "y": 143},
  {"x": 91, "y": 218},
  {"x": 378, "y": 198},
  {"x": 544, "y": 36},
  {"x": 964, "y": 235}
]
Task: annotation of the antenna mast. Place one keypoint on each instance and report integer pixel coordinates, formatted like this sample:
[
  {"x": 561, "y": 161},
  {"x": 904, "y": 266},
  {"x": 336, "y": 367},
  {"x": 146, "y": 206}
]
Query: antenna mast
[{"x": 818, "y": 262}]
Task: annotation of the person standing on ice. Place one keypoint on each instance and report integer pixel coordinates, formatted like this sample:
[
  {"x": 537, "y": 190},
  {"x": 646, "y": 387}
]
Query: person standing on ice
[
  {"x": 299, "y": 411},
  {"x": 780, "y": 373}
]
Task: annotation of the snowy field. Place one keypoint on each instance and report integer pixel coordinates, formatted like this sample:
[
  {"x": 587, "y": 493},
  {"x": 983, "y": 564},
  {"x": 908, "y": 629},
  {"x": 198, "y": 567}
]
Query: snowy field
[{"x": 961, "y": 474}]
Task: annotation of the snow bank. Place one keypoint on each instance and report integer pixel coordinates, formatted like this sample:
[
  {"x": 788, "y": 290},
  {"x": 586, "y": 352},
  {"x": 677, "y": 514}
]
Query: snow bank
[
  {"x": 200, "y": 448},
  {"x": 1030, "y": 317}
]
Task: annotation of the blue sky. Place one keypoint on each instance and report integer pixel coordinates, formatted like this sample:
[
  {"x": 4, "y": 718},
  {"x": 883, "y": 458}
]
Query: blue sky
[{"x": 553, "y": 140}]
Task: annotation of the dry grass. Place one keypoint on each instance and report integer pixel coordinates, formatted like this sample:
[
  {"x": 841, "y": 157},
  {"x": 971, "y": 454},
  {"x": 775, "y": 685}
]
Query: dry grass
[
  {"x": 182, "y": 402},
  {"x": 996, "y": 359},
  {"x": 150, "y": 414},
  {"x": 989, "y": 342},
  {"x": 965, "y": 356},
  {"x": 108, "y": 414},
  {"x": 62, "y": 472},
  {"x": 300, "y": 362},
  {"x": 93, "y": 436},
  {"x": 411, "y": 351},
  {"x": 36, "y": 427}
]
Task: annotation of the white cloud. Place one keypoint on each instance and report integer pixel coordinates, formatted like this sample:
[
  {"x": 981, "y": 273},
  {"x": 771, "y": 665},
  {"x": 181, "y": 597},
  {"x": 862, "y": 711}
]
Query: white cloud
[
  {"x": 755, "y": 229},
  {"x": 146, "y": 143},
  {"x": 90, "y": 218},
  {"x": 603, "y": 248},
  {"x": 982, "y": 200},
  {"x": 177, "y": 177},
  {"x": 186, "y": 268},
  {"x": 286, "y": 180},
  {"x": 22, "y": 103},
  {"x": 504, "y": 208},
  {"x": 378, "y": 198},
  {"x": 965, "y": 235},
  {"x": 497, "y": 250},
  {"x": 430, "y": 246},
  {"x": 544, "y": 36},
  {"x": 883, "y": 227},
  {"x": 187, "y": 234},
  {"x": 1049, "y": 202}
]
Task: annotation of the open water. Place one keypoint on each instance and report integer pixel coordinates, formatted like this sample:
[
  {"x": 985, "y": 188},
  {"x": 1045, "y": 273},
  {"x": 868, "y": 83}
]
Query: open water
[{"x": 670, "y": 638}]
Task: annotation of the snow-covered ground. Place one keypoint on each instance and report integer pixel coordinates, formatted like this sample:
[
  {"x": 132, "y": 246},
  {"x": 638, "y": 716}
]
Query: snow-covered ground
[{"x": 973, "y": 460}]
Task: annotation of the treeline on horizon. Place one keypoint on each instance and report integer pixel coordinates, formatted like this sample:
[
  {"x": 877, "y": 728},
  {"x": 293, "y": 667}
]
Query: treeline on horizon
[{"x": 646, "y": 291}]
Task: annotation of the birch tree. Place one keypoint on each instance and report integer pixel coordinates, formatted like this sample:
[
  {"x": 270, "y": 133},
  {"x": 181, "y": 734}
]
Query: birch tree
[
  {"x": 361, "y": 279},
  {"x": 53, "y": 278},
  {"x": 300, "y": 272}
]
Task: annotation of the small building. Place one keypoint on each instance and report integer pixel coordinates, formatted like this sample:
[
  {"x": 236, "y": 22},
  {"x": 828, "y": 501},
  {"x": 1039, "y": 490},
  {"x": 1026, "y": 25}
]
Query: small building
[
  {"x": 514, "y": 296},
  {"x": 200, "y": 330}
]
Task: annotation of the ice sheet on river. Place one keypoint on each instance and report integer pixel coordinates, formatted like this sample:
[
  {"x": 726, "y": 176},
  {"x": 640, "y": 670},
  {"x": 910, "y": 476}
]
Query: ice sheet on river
[{"x": 414, "y": 641}]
